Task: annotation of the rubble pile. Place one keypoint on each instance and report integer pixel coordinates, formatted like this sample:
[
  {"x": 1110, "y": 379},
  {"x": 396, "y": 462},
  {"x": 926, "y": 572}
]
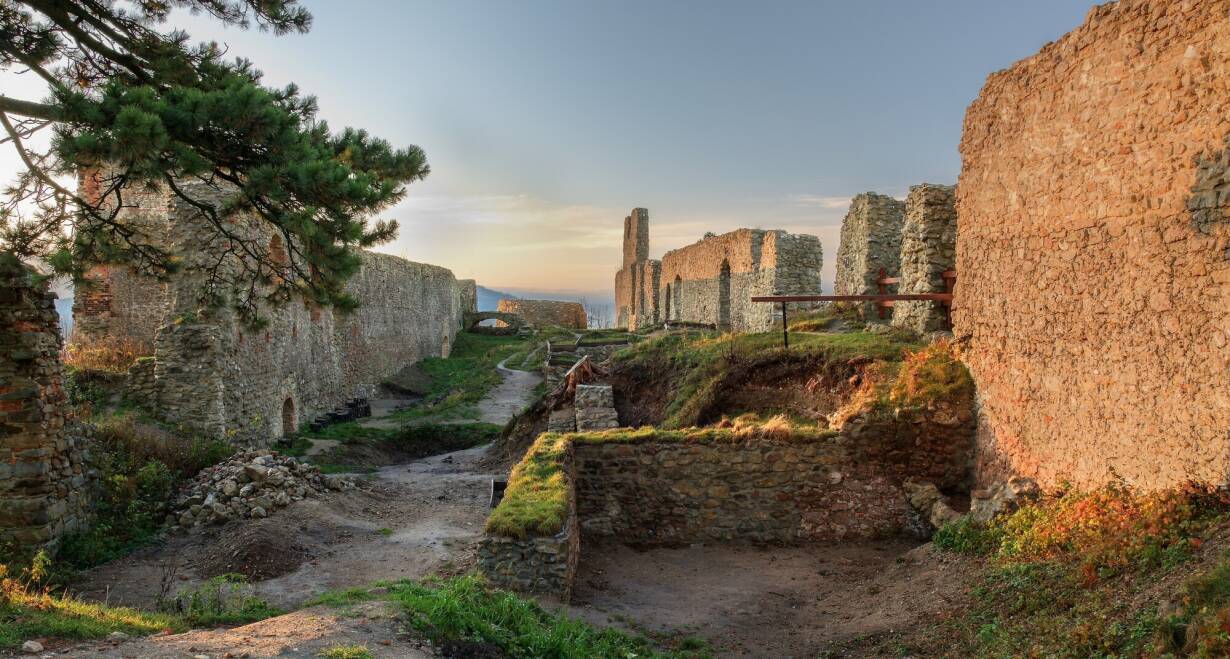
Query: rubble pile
[{"x": 250, "y": 485}]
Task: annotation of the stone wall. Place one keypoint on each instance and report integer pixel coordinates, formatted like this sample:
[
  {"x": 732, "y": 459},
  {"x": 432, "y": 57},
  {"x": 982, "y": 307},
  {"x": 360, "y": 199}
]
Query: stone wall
[
  {"x": 45, "y": 480},
  {"x": 223, "y": 378},
  {"x": 870, "y": 241},
  {"x": 663, "y": 488},
  {"x": 712, "y": 281},
  {"x": 928, "y": 248},
  {"x": 1094, "y": 251},
  {"x": 544, "y": 313},
  {"x": 113, "y": 304}
]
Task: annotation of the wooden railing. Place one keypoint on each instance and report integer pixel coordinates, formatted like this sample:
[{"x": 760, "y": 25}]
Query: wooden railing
[{"x": 883, "y": 299}]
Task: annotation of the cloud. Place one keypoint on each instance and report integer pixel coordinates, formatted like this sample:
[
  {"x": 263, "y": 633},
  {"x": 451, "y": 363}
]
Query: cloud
[{"x": 827, "y": 203}]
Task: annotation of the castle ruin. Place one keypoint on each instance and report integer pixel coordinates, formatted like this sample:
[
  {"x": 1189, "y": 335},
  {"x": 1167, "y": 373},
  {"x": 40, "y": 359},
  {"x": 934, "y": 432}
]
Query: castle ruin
[
  {"x": 711, "y": 282},
  {"x": 546, "y": 313},
  {"x": 221, "y": 378}
]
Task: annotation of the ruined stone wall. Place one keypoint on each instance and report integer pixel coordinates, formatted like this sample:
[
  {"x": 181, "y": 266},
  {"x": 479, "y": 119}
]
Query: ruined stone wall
[
  {"x": 1094, "y": 251},
  {"x": 870, "y": 241},
  {"x": 758, "y": 491},
  {"x": 225, "y": 379},
  {"x": 45, "y": 480},
  {"x": 114, "y": 304},
  {"x": 713, "y": 281},
  {"x": 928, "y": 248},
  {"x": 628, "y": 278},
  {"x": 543, "y": 313}
]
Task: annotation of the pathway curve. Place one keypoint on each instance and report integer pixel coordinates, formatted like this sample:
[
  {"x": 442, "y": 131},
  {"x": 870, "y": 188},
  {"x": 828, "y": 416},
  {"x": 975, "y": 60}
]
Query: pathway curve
[{"x": 512, "y": 395}]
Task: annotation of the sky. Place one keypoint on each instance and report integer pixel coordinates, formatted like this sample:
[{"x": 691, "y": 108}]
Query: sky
[{"x": 546, "y": 121}]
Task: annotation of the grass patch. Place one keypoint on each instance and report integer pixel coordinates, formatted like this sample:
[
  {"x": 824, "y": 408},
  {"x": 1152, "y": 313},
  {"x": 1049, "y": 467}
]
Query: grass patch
[
  {"x": 223, "y": 600},
  {"x": 461, "y": 380},
  {"x": 536, "y": 499},
  {"x": 464, "y": 610},
  {"x": 347, "y": 652},
  {"x": 111, "y": 356},
  {"x": 28, "y": 611}
]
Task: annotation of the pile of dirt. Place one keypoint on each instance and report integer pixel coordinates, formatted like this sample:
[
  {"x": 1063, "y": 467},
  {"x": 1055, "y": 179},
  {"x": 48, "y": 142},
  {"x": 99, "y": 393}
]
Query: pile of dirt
[
  {"x": 256, "y": 552},
  {"x": 250, "y": 485}
]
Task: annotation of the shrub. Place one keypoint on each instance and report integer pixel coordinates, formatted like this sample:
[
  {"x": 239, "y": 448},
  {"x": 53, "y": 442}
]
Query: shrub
[
  {"x": 931, "y": 375},
  {"x": 111, "y": 355},
  {"x": 223, "y": 600}
]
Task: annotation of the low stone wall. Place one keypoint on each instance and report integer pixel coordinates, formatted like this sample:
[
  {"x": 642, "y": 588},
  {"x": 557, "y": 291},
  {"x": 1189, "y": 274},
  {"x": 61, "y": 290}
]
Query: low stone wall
[
  {"x": 667, "y": 487},
  {"x": 544, "y": 313},
  {"x": 535, "y": 564},
  {"x": 45, "y": 480},
  {"x": 758, "y": 491}
]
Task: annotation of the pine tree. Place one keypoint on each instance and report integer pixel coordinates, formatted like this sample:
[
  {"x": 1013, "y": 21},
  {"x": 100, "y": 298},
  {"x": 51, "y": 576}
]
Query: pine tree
[{"x": 142, "y": 106}]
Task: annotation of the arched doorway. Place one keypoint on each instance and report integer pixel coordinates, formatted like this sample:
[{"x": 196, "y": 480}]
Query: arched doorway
[
  {"x": 678, "y": 298},
  {"x": 667, "y": 315},
  {"x": 290, "y": 421},
  {"x": 723, "y": 319}
]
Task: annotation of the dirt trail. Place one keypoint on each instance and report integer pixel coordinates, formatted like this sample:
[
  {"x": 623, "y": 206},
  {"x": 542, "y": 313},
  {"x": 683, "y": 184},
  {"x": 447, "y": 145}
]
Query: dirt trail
[{"x": 510, "y": 397}]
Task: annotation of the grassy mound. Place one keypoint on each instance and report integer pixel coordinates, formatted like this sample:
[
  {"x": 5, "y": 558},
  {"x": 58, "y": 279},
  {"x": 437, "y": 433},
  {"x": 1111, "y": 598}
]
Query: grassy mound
[{"x": 683, "y": 373}]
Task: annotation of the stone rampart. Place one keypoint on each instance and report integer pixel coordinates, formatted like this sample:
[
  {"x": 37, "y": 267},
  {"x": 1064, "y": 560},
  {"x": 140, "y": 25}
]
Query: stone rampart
[
  {"x": 870, "y": 242},
  {"x": 545, "y": 313},
  {"x": 45, "y": 480},
  {"x": 1094, "y": 251},
  {"x": 221, "y": 377},
  {"x": 712, "y": 281},
  {"x": 928, "y": 248}
]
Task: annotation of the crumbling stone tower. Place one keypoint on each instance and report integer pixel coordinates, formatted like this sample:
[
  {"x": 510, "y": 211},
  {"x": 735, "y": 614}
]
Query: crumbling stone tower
[
  {"x": 928, "y": 248},
  {"x": 636, "y": 283},
  {"x": 870, "y": 241}
]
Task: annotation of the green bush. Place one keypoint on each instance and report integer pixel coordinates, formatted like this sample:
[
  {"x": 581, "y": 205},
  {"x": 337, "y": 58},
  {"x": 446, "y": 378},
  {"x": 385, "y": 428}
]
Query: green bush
[{"x": 223, "y": 600}]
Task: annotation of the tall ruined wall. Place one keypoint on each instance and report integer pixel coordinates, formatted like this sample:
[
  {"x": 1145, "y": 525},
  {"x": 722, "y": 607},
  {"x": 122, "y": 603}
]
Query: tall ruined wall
[
  {"x": 114, "y": 304},
  {"x": 629, "y": 280},
  {"x": 1094, "y": 251},
  {"x": 44, "y": 479},
  {"x": 870, "y": 241},
  {"x": 223, "y": 378},
  {"x": 543, "y": 313},
  {"x": 713, "y": 281},
  {"x": 928, "y": 248}
]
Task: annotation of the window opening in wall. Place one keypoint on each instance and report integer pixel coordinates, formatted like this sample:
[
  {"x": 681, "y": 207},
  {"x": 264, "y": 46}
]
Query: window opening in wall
[
  {"x": 723, "y": 319},
  {"x": 289, "y": 419},
  {"x": 668, "y": 302}
]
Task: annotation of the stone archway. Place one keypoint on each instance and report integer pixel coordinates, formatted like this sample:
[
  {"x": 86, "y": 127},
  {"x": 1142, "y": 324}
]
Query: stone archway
[
  {"x": 290, "y": 419},
  {"x": 513, "y": 322}
]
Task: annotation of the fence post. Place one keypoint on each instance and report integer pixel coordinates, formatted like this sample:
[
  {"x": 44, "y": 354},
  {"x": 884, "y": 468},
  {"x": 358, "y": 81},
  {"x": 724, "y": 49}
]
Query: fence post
[{"x": 785, "y": 329}]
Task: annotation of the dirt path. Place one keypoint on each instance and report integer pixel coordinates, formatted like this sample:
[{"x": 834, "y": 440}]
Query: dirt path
[
  {"x": 510, "y": 397},
  {"x": 770, "y": 602}
]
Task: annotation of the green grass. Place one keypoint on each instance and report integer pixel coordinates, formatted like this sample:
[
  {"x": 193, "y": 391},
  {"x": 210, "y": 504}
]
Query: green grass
[
  {"x": 461, "y": 380},
  {"x": 24, "y": 616},
  {"x": 362, "y": 449},
  {"x": 223, "y": 600},
  {"x": 347, "y": 652},
  {"x": 464, "y": 609},
  {"x": 698, "y": 363},
  {"x": 536, "y": 499}
]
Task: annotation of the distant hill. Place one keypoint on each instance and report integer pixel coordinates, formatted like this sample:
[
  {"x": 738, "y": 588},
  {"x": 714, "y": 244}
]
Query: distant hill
[{"x": 488, "y": 299}]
